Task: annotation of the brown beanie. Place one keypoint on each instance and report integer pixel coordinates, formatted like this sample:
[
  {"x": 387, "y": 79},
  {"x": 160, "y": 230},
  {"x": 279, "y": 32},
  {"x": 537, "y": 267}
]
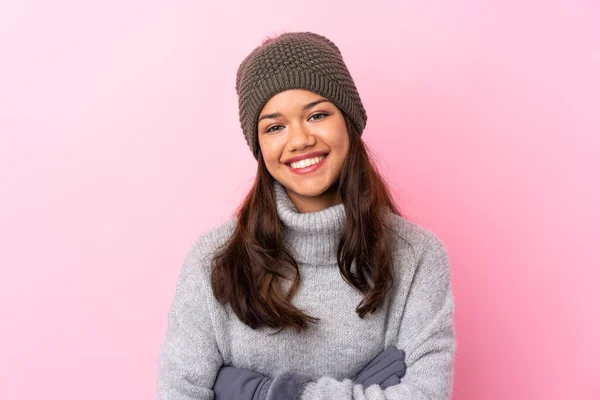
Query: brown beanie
[{"x": 294, "y": 60}]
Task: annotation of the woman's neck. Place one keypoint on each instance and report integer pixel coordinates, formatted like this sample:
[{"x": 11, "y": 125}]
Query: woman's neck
[{"x": 311, "y": 237}]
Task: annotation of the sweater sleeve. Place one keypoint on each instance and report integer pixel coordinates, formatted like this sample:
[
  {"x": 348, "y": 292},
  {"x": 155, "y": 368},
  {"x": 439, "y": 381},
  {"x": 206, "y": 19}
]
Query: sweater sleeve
[
  {"x": 189, "y": 359},
  {"x": 426, "y": 335}
]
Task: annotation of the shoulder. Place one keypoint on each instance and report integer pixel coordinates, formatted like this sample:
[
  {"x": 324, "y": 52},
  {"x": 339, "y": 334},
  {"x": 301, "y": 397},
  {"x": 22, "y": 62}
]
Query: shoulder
[
  {"x": 203, "y": 248},
  {"x": 414, "y": 235},
  {"x": 209, "y": 241},
  {"x": 415, "y": 245}
]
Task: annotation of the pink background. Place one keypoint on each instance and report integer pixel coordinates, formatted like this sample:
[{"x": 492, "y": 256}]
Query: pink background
[{"x": 121, "y": 144}]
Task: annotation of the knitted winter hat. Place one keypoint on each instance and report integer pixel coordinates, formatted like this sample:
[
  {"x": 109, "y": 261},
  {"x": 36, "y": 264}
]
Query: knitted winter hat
[{"x": 294, "y": 60}]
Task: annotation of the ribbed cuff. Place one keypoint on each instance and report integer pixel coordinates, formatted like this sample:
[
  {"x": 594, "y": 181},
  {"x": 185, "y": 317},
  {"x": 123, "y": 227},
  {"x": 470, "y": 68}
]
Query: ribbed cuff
[
  {"x": 288, "y": 386},
  {"x": 262, "y": 390},
  {"x": 310, "y": 391}
]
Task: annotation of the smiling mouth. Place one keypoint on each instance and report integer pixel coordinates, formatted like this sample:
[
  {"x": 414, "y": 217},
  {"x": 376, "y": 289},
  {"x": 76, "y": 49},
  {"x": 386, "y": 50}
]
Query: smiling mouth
[
  {"x": 307, "y": 163},
  {"x": 308, "y": 167}
]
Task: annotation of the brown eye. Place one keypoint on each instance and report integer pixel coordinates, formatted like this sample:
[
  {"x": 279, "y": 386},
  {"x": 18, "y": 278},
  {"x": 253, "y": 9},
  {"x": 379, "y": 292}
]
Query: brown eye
[
  {"x": 317, "y": 114},
  {"x": 271, "y": 128}
]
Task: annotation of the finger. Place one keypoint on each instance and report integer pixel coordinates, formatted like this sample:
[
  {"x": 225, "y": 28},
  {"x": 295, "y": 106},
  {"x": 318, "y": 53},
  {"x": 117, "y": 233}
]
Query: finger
[
  {"x": 391, "y": 381},
  {"x": 403, "y": 371},
  {"x": 397, "y": 368},
  {"x": 392, "y": 355},
  {"x": 380, "y": 357},
  {"x": 390, "y": 363},
  {"x": 401, "y": 354}
]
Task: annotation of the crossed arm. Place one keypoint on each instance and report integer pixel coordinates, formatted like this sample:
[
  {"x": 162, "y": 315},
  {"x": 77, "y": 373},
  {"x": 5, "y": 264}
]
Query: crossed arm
[
  {"x": 232, "y": 383},
  {"x": 189, "y": 361}
]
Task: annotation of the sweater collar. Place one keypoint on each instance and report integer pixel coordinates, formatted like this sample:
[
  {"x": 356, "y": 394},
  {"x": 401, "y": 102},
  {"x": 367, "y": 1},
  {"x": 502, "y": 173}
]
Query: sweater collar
[{"x": 313, "y": 237}]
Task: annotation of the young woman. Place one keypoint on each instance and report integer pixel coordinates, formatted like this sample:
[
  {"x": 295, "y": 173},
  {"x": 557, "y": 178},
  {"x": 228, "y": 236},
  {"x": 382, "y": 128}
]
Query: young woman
[{"x": 318, "y": 288}]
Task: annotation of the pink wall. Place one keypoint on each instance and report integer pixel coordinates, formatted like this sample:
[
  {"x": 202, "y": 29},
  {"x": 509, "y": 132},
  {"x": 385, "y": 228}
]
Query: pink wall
[{"x": 121, "y": 144}]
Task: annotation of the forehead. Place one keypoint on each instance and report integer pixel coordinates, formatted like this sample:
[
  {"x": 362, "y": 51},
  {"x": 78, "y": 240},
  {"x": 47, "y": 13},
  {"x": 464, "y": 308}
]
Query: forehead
[{"x": 290, "y": 99}]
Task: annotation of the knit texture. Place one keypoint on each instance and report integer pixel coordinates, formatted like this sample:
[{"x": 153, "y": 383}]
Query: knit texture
[
  {"x": 294, "y": 60},
  {"x": 202, "y": 334}
]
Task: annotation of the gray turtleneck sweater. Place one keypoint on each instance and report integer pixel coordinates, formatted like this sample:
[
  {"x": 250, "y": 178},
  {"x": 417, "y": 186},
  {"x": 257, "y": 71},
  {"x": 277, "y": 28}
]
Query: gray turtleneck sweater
[{"x": 202, "y": 334}]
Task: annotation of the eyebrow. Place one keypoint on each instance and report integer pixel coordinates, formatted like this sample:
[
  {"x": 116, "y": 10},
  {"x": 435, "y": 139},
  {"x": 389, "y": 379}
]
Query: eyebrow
[{"x": 306, "y": 107}]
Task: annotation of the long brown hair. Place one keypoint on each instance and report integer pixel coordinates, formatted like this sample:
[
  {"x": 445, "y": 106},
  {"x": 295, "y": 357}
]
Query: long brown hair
[{"x": 249, "y": 269}]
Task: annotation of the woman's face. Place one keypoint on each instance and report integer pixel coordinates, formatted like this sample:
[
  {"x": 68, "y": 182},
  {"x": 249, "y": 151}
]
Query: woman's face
[{"x": 297, "y": 125}]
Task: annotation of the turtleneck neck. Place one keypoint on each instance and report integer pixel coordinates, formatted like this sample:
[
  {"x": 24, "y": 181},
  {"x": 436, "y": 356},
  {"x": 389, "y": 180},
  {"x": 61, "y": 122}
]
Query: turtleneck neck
[{"x": 312, "y": 237}]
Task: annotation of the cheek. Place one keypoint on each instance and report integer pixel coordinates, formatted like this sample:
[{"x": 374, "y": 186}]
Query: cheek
[
  {"x": 340, "y": 140},
  {"x": 270, "y": 151}
]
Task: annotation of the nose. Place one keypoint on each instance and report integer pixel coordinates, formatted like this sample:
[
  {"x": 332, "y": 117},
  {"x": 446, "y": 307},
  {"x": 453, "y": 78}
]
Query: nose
[{"x": 299, "y": 137}]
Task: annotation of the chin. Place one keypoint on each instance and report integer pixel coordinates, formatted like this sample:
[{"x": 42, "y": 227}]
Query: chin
[{"x": 310, "y": 190}]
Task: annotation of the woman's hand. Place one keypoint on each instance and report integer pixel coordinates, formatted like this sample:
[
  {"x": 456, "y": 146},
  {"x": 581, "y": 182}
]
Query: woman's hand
[
  {"x": 384, "y": 370},
  {"x": 240, "y": 384}
]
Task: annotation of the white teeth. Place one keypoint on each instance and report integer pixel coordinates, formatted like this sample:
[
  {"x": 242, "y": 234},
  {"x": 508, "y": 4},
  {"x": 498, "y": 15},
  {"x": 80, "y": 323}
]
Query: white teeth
[{"x": 305, "y": 163}]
